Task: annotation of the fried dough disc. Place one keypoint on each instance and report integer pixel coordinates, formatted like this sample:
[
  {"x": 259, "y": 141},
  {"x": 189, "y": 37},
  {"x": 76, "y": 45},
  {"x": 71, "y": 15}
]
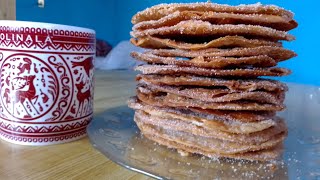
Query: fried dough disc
[
  {"x": 188, "y": 127},
  {"x": 208, "y": 62},
  {"x": 168, "y": 159},
  {"x": 161, "y": 10},
  {"x": 226, "y": 41},
  {"x": 273, "y": 21},
  {"x": 205, "y": 116},
  {"x": 233, "y": 127},
  {"x": 241, "y": 116},
  {"x": 172, "y": 100},
  {"x": 234, "y": 85},
  {"x": 217, "y": 94},
  {"x": 179, "y": 70},
  {"x": 263, "y": 155},
  {"x": 197, "y": 28},
  {"x": 276, "y": 53},
  {"x": 208, "y": 144}
]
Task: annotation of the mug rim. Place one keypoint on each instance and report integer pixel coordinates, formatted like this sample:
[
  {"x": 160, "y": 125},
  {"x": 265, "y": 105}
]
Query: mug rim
[{"x": 46, "y": 25}]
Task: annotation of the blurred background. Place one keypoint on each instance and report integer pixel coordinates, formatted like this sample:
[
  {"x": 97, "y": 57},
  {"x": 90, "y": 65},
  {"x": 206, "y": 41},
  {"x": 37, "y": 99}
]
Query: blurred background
[{"x": 111, "y": 20}]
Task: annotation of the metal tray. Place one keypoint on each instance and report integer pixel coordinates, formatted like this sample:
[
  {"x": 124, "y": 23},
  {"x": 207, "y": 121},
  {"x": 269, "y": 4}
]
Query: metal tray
[{"x": 114, "y": 133}]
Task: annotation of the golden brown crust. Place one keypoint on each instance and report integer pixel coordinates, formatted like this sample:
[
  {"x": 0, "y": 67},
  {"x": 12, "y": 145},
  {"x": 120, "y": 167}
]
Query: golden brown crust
[
  {"x": 198, "y": 28},
  {"x": 263, "y": 155},
  {"x": 273, "y": 21},
  {"x": 207, "y": 116},
  {"x": 234, "y": 85},
  {"x": 217, "y": 94},
  {"x": 177, "y": 124},
  {"x": 209, "y": 144},
  {"x": 276, "y": 53},
  {"x": 226, "y": 41},
  {"x": 180, "y": 70},
  {"x": 172, "y": 100},
  {"x": 204, "y": 95},
  {"x": 205, "y": 62},
  {"x": 161, "y": 10}
]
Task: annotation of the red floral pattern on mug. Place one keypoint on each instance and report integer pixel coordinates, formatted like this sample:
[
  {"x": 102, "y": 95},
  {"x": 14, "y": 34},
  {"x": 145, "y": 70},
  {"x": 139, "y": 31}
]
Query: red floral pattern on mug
[{"x": 46, "y": 82}]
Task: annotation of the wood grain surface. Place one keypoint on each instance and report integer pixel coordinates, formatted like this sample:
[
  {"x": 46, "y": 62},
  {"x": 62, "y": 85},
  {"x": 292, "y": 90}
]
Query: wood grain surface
[
  {"x": 78, "y": 159},
  {"x": 7, "y": 9}
]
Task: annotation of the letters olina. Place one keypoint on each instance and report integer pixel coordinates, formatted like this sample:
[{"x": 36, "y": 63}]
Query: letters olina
[{"x": 25, "y": 37}]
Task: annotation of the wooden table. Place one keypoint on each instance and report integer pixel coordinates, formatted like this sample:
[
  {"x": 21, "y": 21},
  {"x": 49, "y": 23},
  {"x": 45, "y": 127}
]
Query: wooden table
[{"x": 75, "y": 160}]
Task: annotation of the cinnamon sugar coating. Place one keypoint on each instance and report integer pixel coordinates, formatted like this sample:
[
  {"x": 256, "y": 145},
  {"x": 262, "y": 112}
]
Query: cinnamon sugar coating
[
  {"x": 217, "y": 94},
  {"x": 216, "y": 147},
  {"x": 273, "y": 21},
  {"x": 276, "y": 53},
  {"x": 161, "y": 10},
  {"x": 202, "y": 89},
  {"x": 198, "y": 28},
  {"x": 226, "y": 41},
  {"x": 234, "y": 85},
  {"x": 208, "y": 62},
  {"x": 172, "y": 100},
  {"x": 181, "y": 70},
  {"x": 232, "y": 122}
]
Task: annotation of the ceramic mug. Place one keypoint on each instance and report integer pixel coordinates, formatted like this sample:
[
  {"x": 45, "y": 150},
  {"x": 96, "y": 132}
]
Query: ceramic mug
[{"x": 46, "y": 94}]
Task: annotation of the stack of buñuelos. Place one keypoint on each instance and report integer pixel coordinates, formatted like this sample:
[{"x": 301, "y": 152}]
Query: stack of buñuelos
[{"x": 201, "y": 89}]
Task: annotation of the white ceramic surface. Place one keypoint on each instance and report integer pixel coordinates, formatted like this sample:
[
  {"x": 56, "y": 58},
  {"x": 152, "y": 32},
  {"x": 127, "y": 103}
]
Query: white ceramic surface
[{"x": 46, "y": 94}]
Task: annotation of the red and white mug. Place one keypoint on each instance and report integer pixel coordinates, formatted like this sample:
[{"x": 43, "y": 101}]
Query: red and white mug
[{"x": 46, "y": 82}]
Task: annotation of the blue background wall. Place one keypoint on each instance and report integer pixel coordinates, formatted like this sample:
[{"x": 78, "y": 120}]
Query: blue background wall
[{"x": 111, "y": 20}]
